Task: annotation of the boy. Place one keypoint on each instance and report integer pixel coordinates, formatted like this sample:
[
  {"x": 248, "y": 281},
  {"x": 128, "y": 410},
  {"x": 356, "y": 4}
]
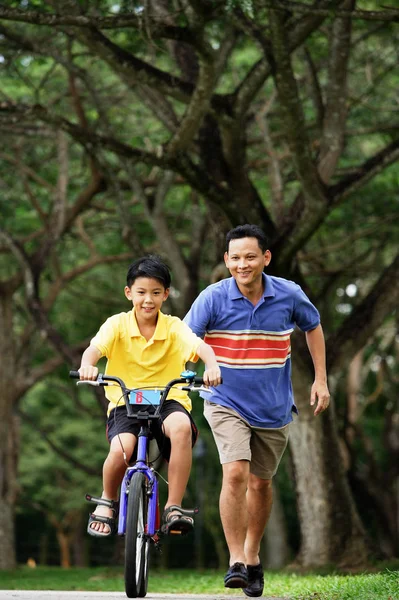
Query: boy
[{"x": 144, "y": 347}]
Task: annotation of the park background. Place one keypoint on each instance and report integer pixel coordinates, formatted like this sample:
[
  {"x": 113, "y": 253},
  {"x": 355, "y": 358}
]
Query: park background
[{"x": 132, "y": 127}]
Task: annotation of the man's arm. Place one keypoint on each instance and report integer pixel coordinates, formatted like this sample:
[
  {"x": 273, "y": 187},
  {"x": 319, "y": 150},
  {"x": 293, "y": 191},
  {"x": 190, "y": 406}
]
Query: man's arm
[
  {"x": 212, "y": 375},
  {"x": 317, "y": 349},
  {"x": 88, "y": 369}
]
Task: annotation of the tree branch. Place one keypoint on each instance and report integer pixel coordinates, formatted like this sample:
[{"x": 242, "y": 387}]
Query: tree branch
[
  {"x": 199, "y": 105},
  {"x": 57, "y": 449},
  {"x": 369, "y": 169},
  {"x": 134, "y": 70},
  {"x": 336, "y": 94},
  {"x": 256, "y": 77},
  {"x": 312, "y": 205},
  {"x": 33, "y": 300},
  {"x": 375, "y": 307},
  {"x": 122, "y": 21},
  {"x": 390, "y": 15}
]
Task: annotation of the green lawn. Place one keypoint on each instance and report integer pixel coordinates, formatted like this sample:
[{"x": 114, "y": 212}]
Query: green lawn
[{"x": 382, "y": 585}]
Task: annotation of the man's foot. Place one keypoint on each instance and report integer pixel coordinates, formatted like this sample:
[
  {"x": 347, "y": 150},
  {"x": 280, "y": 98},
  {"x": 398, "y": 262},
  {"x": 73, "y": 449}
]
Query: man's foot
[
  {"x": 236, "y": 576},
  {"x": 255, "y": 581},
  {"x": 102, "y": 522}
]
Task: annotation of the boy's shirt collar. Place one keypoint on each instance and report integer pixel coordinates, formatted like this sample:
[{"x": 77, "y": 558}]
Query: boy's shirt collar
[{"x": 160, "y": 332}]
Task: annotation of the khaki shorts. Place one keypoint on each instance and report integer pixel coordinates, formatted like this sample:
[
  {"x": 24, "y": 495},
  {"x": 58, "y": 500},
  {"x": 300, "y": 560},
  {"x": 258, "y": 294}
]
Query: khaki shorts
[{"x": 237, "y": 440}]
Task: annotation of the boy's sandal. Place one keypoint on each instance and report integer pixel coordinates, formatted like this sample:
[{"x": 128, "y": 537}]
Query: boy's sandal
[
  {"x": 177, "y": 523},
  {"x": 109, "y": 521}
]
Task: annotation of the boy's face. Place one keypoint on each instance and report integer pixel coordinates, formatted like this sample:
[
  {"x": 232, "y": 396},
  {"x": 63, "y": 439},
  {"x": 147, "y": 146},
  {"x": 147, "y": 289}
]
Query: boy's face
[
  {"x": 147, "y": 296},
  {"x": 245, "y": 260}
]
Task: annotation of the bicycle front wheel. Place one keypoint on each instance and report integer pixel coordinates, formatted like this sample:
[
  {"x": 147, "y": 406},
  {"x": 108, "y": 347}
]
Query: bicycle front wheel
[{"x": 136, "y": 542}]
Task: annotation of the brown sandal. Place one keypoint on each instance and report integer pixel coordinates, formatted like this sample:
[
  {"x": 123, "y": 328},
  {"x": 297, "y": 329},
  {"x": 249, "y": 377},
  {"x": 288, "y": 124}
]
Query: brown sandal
[
  {"x": 179, "y": 523},
  {"x": 109, "y": 521}
]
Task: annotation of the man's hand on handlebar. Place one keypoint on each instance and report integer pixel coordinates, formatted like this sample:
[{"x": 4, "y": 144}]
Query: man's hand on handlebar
[
  {"x": 212, "y": 376},
  {"x": 88, "y": 373}
]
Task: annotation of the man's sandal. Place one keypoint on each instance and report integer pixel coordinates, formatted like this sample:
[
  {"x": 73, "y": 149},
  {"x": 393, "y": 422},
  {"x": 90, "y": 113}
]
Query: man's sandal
[
  {"x": 109, "y": 521},
  {"x": 178, "y": 523}
]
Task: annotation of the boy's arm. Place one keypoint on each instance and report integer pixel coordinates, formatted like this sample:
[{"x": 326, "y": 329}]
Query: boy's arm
[
  {"x": 212, "y": 374},
  {"x": 88, "y": 369},
  {"x": 317, "y": 349}
]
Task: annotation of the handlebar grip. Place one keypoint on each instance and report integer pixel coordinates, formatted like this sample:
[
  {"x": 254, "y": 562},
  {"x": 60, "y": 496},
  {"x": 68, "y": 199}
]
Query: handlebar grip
[{"x": 74, "y": 374}]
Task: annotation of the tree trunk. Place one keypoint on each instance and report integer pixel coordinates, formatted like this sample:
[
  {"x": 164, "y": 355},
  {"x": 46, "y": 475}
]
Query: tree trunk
[
  {"x": 64, "y": 543},
  {"x": 275, "y": 550},
  {"x": 331, "y": 530},
  {"x": 8, "y": 436}
]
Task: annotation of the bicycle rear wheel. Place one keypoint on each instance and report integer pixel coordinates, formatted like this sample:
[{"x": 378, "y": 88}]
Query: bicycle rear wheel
[{"x": 136, "y": 542}]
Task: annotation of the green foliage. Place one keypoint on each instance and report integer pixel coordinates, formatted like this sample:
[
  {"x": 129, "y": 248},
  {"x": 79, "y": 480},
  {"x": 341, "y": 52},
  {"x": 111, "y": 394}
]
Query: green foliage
[
  {"x": 247, "y": 6},
  {"x": 221, "y": 172},
  {"x": 49, "y": 481}
]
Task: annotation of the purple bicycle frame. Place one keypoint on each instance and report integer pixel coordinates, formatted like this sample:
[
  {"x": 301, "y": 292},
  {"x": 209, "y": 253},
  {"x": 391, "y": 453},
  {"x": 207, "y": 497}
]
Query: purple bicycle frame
[{"x": 140, "y": 466}]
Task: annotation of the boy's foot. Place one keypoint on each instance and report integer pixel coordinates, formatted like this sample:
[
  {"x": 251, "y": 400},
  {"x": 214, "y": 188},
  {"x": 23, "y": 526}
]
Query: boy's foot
[
  {"x": 236, "y": 576},
  {"x": 255, "y": 581},
  {"x": 174, "y": 521},
  {"x": 102, "y": 522}
]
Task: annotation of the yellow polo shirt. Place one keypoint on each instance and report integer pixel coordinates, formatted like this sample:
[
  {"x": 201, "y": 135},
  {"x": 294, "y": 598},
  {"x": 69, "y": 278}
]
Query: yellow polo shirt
[{"x": 140, "y": 363}]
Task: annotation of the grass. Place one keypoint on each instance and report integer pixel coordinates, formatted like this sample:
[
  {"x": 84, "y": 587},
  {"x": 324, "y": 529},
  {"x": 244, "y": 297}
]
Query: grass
[{"x": 382, "y": 585}]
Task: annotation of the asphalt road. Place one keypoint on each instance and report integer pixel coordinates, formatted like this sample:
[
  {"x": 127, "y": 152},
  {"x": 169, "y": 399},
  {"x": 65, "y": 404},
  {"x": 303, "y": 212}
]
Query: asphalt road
[{"x": 53, "y": 595}]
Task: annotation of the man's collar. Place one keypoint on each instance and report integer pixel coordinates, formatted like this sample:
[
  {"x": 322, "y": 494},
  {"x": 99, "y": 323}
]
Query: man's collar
[{"x": 267, "y": 286}]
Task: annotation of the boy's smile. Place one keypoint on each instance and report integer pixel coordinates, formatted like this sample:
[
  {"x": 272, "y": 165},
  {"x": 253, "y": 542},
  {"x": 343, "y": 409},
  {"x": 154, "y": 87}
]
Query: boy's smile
[{"x": 147, "y": 295}]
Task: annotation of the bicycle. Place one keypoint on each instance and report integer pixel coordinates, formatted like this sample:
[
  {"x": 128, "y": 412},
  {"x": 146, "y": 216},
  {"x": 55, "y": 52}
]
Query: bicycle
[{"x": 139, "y": 514}]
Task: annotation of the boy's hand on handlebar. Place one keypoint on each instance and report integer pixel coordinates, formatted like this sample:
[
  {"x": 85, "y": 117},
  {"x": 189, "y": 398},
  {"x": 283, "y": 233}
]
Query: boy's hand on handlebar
[
  {"x": 88, "y": 373},
  {"x": 212, "y": 376}
]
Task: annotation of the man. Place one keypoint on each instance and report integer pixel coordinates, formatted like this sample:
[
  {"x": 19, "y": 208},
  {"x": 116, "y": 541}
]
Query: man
[{"x": 248, "y": 320}]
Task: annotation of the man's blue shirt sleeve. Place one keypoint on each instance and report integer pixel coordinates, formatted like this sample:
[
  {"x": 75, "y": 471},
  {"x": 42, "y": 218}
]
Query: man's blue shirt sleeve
[
  {"x": 198, "y": 316},
  {"x": 306, "y": 315}
]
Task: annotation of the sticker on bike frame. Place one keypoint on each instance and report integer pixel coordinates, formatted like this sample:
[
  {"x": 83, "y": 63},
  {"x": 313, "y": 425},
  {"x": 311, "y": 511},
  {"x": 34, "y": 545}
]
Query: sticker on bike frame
[{"x": 142, "y": 397}]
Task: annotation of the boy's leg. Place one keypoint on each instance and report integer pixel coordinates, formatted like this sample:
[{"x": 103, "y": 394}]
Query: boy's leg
[
  {"x": 177, "y": 427},
  {"x": 113, "y": 471}
]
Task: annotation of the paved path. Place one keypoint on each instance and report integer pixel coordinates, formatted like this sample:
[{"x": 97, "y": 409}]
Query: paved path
[{"x": 54, "y": 595}]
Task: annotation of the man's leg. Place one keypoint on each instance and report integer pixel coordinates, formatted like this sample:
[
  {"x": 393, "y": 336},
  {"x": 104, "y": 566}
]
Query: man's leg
[
  {"x": 233, "y": 508},
  {"x": 259, "y": 505}
]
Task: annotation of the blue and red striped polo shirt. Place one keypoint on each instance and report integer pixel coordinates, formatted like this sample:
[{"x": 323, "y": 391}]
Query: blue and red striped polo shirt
[{"x": 252, "y": 345}]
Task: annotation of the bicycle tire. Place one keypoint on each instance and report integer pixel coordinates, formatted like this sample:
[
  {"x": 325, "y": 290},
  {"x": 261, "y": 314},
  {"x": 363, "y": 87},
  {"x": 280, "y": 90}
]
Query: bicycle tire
[{"x": 136, "y": 544}]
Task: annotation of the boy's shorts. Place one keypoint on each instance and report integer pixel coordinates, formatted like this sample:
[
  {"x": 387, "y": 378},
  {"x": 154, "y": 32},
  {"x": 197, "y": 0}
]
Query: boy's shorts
[
  {"x": 236, "y": 439},
  {"x": 119, "y": 422}
]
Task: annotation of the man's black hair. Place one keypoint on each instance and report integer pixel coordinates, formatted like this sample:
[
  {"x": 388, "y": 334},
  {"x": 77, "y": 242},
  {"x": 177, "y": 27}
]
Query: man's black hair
[
  {"x": 243, "y": 231},
  {"x": 152, "y": 267}
]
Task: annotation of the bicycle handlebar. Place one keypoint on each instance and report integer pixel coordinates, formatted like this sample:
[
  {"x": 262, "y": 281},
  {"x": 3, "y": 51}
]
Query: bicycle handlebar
[
  {"x": 103, "y": 379},
  {"x": 187, "y": 378}
]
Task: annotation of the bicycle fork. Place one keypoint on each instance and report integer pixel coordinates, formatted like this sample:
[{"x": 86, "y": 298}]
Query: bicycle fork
[{"x": 153, "y": 518}]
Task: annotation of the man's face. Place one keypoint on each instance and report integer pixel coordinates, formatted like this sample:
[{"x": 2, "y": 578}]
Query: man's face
[
  {"x": 245, "y": 261},
  {"x": 147, "y": 296}
]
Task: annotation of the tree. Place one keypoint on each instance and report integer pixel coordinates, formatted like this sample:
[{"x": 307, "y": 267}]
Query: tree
[{"x": 173, "y": 123}]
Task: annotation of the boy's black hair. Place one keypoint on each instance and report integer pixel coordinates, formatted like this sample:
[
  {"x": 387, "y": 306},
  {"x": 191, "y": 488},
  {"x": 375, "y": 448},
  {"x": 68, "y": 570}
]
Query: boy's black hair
[
  {"x": 150, "y": 266},
  {"x": 247, "y": 230}
]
